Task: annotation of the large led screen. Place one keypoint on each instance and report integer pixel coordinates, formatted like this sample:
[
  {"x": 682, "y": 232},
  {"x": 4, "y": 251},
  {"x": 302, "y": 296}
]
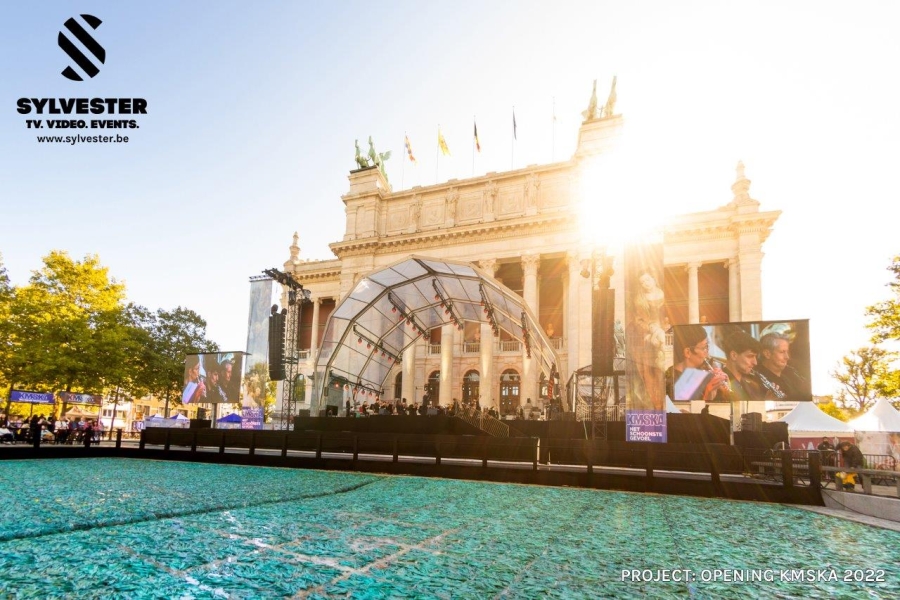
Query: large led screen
[
  {"x": 212, "y": 378},
  {"x": 759, "y": 360}
]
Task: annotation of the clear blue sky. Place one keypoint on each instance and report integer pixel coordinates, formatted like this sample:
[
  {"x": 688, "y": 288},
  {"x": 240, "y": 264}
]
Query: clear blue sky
[{"x": 253, "y": 109}]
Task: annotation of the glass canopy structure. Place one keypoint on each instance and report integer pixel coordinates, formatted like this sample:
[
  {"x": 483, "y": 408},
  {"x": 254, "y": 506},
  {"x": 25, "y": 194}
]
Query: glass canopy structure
[{"x": 391, "y": 308}]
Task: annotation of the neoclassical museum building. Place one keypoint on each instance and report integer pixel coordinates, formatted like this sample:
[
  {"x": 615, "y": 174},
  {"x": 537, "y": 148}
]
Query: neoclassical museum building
[{"x": 521, "y": 227}]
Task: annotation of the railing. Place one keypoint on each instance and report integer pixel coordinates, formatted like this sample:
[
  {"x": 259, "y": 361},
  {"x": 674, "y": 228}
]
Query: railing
[
  {"x": 434, "y": 349},
  {"x": 510, "y": 346},
  {"x": 483, "y": 421},
  {"x": 557, "y": 343},
  {"x": 607, "y": 412},
  {"x": 303, "y": 355},
  {"x": 867, "y": 477},
  {"x": 471, "y": 347},
  {"x": 720, "y": 470}
]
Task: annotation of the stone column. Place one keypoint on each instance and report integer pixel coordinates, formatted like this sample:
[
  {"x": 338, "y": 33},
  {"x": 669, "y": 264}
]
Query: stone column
[
  {"x": 734, "y": 298},
  {"x": 693, "y": 293},
  {"x": 750, "y": 284},
  {"x": 530, "y": 266},
  {"x": 448, "y": 339},
  {"x": 408, "y": 390},
  {"x": 489, "y": 265},
  {"x": 571, "y": 325},
  {"x": 486, "y": 385},
  {"x": 314, "y": 336}
]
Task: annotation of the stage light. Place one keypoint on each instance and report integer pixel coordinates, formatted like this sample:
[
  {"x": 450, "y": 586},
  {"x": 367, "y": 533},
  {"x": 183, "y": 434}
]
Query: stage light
[{"x": 359, "y": 340}]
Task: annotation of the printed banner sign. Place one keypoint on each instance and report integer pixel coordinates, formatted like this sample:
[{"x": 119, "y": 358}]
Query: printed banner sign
[
  {"x": 31, "y": 397},
  {"x": 71, "y": 398},
  {"x": 645, "y": 426},
  {"x": 251, "y": 418}
]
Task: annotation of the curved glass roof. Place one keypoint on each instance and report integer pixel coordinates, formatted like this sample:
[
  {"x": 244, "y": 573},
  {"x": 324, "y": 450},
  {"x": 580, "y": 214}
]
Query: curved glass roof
[{"x": 390, "y": 308}]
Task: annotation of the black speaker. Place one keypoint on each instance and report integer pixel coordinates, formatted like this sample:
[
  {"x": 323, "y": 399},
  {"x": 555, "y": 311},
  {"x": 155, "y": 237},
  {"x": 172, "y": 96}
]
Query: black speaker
[
  {"x": 276, "y": 346},
  {"x": 603, "y": 345},
  {"x": 751, "y": 421}
]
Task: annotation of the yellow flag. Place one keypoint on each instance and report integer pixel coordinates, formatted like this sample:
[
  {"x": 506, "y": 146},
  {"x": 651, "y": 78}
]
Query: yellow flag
[{"x": 442, "y": 143}]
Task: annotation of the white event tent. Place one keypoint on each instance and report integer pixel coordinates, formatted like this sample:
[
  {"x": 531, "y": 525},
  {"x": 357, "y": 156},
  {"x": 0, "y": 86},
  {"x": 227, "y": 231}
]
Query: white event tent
[
  {"x": 807, "y": 425},
  {"x": 878, "y": 430}
]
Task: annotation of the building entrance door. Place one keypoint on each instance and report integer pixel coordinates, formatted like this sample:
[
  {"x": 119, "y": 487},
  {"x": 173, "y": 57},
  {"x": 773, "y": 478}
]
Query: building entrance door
[
  {"x": 509, "y": 392},
  {"x": 433, "y": 388},
  {"x": 470, "y": 388}
]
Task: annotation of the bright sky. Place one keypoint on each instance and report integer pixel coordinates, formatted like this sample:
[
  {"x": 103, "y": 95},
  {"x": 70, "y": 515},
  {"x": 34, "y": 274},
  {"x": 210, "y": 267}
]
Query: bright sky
[{"x": 253, "y": 109}]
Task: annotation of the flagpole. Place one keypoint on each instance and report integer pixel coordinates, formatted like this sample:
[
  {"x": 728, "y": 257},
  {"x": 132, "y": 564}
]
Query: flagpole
[
  {"x": 437, "y": 155},
  {"x": 403, "y": 162},
  {"x": 553, "y": 136},
  {"x": 512, "y": 145},
  {"x": 475, "y": 125}
]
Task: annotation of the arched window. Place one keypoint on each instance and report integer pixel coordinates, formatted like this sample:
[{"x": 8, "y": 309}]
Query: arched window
[
  {"x": 509, "y": 392},
  {"x": 470, "y": 388},
  {"x": 433, "y": 388}
]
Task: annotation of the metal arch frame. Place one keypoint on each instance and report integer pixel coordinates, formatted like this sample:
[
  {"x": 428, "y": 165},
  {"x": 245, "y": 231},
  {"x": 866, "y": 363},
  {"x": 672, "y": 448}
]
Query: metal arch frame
[{"x": 547, "y": 355}]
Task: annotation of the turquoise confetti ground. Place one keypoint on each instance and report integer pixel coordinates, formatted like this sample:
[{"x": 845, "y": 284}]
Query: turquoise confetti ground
[{"x": 120, "y": 528}]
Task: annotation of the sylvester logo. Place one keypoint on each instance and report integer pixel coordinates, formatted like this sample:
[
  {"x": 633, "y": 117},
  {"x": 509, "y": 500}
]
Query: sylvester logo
[{"x": 90, "y": 44}]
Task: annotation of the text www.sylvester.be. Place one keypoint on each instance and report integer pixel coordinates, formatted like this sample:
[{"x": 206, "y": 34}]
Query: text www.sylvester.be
[{"x": 82, "y": 139}]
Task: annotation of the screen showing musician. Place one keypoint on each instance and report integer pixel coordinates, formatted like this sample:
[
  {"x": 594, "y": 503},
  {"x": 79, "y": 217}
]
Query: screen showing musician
[
  {"x": 764, "y": 361},
  {"x": 695, "y": 376}
]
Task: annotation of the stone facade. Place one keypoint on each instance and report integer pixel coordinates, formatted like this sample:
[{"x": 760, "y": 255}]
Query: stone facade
[{"x": 521, "y": 226}]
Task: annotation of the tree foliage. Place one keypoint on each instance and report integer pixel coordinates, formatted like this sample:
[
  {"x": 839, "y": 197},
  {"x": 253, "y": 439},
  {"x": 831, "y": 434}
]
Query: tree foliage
[
  {"x": 864, "y": 374},
  {"x": 65, "y": 325},
  {"x": 70, "y": 329},
  {"x": 6, "y": 295},
  {"x": 885, "y": 315},
  {"x": 831, "y": 408}
]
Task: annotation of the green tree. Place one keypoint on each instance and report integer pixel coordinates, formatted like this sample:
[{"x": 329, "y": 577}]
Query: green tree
[
  {"x": 885, "y": 316},
  {"x": 863, "y": 375},
  {"x": 63, "y": 325},
  {"x": 173, "y": 334},
  {"x": 831, "y": 408},
  {"x": 6, "y": 296}
]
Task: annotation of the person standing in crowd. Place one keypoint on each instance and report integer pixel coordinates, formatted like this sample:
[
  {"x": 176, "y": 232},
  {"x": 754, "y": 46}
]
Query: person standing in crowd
[
  {"x": 826, "y": 449},
  {"x": 88, "y": 434},
  {"x": 35, "y": 428},
  {"x": 852, "y": 458}
]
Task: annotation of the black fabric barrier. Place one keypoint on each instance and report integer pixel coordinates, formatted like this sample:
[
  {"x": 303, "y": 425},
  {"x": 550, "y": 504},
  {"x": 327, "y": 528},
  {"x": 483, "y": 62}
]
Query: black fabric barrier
[
  {"x": 434, "y": 425},
  {"x": 770, "y": 435}
]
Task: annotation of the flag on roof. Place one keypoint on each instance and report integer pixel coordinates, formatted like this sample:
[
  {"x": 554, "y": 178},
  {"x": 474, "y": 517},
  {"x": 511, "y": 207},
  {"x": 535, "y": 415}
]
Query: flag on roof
[
  {"x": 409, "y": 151},
  {"x": 442, "y": 143},
  {"x": 477, "y": 143},
  {"x": 515, "y": 137}
]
